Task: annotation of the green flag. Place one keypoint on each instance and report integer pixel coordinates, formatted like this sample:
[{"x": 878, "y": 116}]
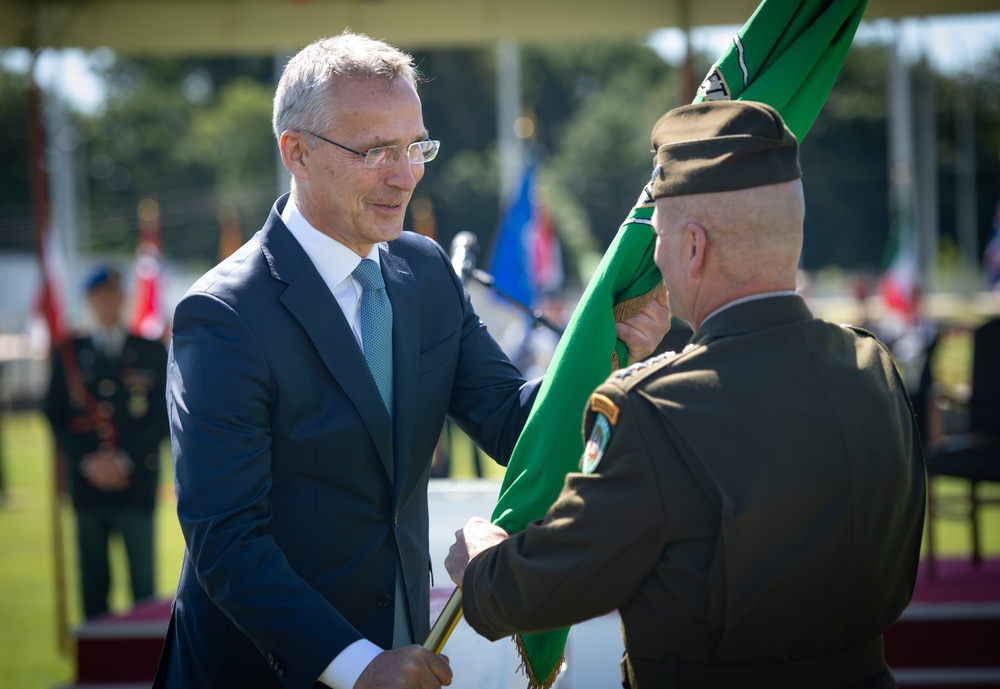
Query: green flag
[{"x": 787, "y": 55}]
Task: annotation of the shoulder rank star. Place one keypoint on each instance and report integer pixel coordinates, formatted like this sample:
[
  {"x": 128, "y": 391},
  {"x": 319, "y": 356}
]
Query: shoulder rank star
[
  {"x": 629, "y": 370},
  {"x": 594, "y": 450}
]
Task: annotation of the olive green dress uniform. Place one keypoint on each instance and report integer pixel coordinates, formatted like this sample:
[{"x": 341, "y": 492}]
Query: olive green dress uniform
[{"x": 752, "y": 506}]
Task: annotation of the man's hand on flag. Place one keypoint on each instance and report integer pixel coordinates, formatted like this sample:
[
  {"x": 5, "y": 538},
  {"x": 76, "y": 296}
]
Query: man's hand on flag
[
  {"x": 476, "y": 536},
  {"x": 643, "y": 332}
]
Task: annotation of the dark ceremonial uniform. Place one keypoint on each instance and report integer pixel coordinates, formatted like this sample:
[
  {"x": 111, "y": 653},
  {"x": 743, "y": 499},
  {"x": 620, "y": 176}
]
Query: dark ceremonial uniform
[
  {"x": 753, "y": 506},
  {"x": 98, "y": 400}
]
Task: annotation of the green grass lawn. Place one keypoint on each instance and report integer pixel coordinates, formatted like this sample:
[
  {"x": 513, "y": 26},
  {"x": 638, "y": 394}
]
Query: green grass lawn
[{"x": 30, "y": 655}]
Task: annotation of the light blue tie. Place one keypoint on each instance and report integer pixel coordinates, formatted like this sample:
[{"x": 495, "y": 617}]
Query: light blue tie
[
  {"x": 376, "y": 341},
  {"x": 376, "y": 327}
]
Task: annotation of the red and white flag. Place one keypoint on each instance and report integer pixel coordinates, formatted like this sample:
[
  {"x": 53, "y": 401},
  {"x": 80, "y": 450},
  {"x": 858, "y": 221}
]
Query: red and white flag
[
  {"x": 147, "y": 312},
  {"x": 47, "y": 326},
  {"x": 898, "y": 284}
]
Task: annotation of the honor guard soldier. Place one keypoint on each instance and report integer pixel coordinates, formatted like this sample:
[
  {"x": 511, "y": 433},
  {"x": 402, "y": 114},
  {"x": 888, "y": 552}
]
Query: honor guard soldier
[{"x": 106, "y": 404}]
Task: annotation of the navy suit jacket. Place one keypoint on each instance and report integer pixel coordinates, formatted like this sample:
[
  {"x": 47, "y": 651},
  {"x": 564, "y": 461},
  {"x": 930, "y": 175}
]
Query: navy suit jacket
[{"x": 296, "y": 493}]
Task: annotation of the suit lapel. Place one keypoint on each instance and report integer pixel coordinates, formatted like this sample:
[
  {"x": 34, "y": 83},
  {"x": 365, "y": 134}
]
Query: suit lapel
[
  {"x": 311, "y": 303},
  {"x": 401, "y": 286}
]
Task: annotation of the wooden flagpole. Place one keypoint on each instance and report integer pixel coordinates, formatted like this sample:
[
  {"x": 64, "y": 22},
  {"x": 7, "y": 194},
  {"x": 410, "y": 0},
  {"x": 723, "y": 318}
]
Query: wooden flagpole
[{"x": 40, "y": 204}]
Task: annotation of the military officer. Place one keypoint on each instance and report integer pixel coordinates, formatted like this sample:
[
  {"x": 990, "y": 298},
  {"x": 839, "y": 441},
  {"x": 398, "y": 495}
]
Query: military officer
[
  {"x": 752, "y": 505},
  {"x": 107, "y": 407}
]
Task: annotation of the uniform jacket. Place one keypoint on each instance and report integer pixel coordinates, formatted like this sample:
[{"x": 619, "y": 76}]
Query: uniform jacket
[
  {"x": 295, "y": 493},
  {"x": 754, "y": 513},
  {"x": 93, "y": 397}
]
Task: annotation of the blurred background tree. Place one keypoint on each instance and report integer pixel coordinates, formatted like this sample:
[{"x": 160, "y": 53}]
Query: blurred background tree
[{"x": 194, "y": 134}]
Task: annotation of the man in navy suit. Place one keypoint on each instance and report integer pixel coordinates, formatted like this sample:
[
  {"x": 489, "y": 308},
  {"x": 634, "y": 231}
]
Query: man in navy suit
[{"x": 301, "y": 490}]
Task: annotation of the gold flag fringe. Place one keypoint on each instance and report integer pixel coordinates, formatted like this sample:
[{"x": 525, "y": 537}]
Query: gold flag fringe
[
  {"x": 525, "y": 668},
  {"x": 630, "y": 307}
]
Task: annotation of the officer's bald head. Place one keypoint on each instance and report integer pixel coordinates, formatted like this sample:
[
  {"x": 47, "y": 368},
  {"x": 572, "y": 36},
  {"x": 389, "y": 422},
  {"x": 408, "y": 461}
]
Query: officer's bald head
[{"x": 729, "y": 202}]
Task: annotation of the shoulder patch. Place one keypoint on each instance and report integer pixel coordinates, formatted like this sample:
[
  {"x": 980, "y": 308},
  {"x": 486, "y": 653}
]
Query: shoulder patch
[
  {"x": 594, "y": 449},
  {"x": 603, "y": 405}
]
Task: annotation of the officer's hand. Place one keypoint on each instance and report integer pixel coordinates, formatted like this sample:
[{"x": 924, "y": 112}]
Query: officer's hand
[
  {"x": 410, "y": 667},
  {"x": 107, "y": 471},
  {"x": 475, "y": 537},
  {"x": 643, "y": 332}
]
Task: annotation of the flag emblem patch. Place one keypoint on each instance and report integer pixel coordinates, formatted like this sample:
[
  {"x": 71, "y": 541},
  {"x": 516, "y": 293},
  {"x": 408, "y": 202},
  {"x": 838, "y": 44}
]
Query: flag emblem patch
[
  {"x": 594, "y": 450},
  {"x": 714, "y": 87}
]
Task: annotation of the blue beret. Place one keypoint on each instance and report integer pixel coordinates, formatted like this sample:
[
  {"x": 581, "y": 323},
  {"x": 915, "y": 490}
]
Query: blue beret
[{"x": 103, "y": 276}]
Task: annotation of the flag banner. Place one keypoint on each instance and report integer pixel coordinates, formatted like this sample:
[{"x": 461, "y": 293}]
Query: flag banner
[
  {"x": 147, "y": 313},
  {"x": 526, "y": 258},
  {"x": 787, "y": 55},
  {"x": 47, "y": 327},
  {"x": 509, "y": 261},
  {"x": 898, "y": 283},
  {"x": 545, "y": 266}
]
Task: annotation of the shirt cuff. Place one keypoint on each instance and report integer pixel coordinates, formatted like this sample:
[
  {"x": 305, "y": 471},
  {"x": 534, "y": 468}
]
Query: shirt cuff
[{"x": 344, "y": 670}]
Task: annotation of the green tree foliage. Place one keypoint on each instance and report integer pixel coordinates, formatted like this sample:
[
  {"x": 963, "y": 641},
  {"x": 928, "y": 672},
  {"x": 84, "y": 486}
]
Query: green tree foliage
[
  {"x": 194, "y": 134},
  {"x": 593, "y": 106},
  {"x": 979, "y": 86},
  {"x": 459, "y": 105},
  {"x": 16, "y": 230},
  {"x": 845, "y": 162},
  {"x": 596, "y": 106}
]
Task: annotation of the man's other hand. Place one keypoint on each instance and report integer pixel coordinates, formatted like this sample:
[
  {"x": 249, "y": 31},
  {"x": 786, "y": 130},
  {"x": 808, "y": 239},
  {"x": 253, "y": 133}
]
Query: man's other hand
[
  {"x": 476, "y": 536},
  {"x": 410, "y": 667}
]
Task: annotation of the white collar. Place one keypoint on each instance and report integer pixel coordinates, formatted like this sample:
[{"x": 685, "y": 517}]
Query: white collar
[{"x": 334, "y": 261}]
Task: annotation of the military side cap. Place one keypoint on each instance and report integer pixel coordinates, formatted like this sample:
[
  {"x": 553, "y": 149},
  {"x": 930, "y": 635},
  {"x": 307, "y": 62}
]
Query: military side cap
[{"x": 722, "y": 146}]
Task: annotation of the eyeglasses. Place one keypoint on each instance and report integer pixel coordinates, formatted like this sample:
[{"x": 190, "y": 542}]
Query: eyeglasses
[{"x": 418, "y": 153}]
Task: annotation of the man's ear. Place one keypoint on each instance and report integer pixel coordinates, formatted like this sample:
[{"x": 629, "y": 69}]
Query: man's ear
[
  {"x": 695, "y": 248},
  {"x": 294, "y": 153}
]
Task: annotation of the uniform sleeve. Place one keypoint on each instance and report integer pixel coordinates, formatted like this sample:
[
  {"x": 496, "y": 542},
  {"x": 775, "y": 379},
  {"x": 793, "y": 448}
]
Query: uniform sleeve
[
  {"x": 60, "y": 409},
  {"x": 595, "y": 546}
]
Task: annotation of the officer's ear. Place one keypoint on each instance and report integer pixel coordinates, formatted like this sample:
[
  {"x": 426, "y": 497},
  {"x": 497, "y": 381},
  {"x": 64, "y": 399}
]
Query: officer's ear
[{"x": 695, "y": 247}]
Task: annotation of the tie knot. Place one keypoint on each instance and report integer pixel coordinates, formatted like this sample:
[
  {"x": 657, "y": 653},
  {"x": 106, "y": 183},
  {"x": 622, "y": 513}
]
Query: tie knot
[{"x": 369, "y": 275}]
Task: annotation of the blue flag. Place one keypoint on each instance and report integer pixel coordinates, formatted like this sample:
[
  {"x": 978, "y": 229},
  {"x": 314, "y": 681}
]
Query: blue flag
[{"x": 510, "y": 264}]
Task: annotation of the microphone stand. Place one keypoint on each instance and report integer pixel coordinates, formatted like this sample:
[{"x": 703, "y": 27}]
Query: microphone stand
[{"x": 538, "y": 318}]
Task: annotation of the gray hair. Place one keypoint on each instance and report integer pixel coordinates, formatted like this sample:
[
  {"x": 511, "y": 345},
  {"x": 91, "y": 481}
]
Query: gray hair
[{"x": 301, "y": 101}]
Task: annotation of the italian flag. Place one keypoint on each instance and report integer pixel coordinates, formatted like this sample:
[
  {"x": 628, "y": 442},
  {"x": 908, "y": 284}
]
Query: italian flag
[{"x": 898, "y": 284}]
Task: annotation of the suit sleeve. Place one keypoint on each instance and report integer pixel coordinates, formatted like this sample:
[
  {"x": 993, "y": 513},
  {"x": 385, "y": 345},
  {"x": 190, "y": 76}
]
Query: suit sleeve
[
  {"x": 490, "y": 400},
  {"x": 587, "y": 556},
  {"x": 219, "y": 396}
]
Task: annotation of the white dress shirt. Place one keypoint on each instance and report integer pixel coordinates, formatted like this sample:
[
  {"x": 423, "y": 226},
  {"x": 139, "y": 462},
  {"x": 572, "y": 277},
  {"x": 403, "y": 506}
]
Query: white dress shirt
[
  {"x": 335, "y": 263},
  {"x": 109, "y": 341}
]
